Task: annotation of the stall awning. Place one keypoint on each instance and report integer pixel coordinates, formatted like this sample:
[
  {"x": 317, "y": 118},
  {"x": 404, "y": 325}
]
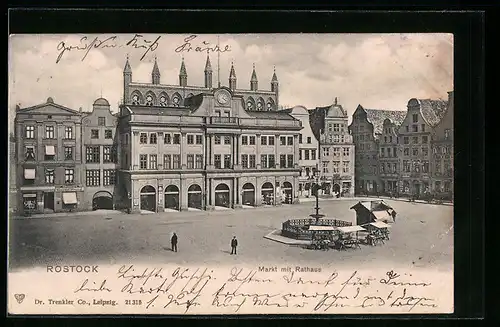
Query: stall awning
[
  {"x": 69, "y": 197},
  {"x": 380, "y": 224},
  {"x": 350, "y": 229},
  {"x": 50, "y": 150},
  {"x": 382, "y": 215},
  {"x": 29, "y": 195},
  {"x": 322, "y": 228},
  {"x": 29, "y": 173}
]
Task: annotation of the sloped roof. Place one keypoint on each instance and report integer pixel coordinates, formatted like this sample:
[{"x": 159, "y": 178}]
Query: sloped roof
[
  {"x": 49, "y": 103},
  {"x": 163, "y": 111},
  {"x": 281, "y": 114},
  {"x": 433, "y": 110},
  {"x": 377, "y": 117}
]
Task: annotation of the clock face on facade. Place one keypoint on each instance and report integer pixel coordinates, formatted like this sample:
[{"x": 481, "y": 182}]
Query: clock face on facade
[{"x": 223, "y": 97}]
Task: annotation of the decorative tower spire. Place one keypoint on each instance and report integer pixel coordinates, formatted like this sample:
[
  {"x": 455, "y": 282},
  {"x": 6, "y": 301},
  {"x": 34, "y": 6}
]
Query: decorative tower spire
[
  {"x": 183, "y": 74},
  {"x": 232, "y": 78},
  {"x": 127, "y": 79},
  {"x": 275, "y": 86},
  {"x": 336, "y": 100},
  {"x": 208, "y": 74},
  {"x": 155, "y": 74},
  {"x": 253, "y": 81}
]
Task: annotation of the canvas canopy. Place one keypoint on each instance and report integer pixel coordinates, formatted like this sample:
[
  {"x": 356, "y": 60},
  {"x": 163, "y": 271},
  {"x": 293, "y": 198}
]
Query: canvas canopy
[
  {"x": 380, "y": 224},
  {"x": 322, "y": 228},
  {"x": 29, "y": 173},
  {"x": 382, "y": 216},
  {"x": 69, "y": 197},
  {"x": 50, "y": 150},
  {"x": 350, "y": 229}
]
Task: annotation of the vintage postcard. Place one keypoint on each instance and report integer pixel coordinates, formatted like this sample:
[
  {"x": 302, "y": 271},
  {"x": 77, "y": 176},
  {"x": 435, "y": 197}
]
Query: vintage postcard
[{"x": 230, "y": 174}]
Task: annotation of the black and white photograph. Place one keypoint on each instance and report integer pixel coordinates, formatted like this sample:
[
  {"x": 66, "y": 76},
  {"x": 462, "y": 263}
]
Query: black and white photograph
[{"x": 231, "y": 173}]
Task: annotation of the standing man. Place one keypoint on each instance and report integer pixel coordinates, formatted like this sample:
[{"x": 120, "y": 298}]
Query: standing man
[
  {"x": 173, "y": 240},
  {"x": 234, "y": 244},
  {"x": 393, "y": 214}
]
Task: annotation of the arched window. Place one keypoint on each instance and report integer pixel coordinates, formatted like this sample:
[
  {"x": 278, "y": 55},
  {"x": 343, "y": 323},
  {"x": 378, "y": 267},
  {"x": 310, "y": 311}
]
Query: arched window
[
  {"x": 250, "y": 105},
  {"x": 163, "y": 100},
  {"x": 260, "y": 104},
  {"x": 270, "y": 104},
  {"x": 176, "y": 100},
  {"x": 137, "y": 98},
  {"x": 150, "y": 99}
]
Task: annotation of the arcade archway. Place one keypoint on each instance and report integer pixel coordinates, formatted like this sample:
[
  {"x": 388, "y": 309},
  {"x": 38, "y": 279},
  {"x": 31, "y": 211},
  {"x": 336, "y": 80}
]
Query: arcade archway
[
  {"x": 222, "y": 198},
  {"x": 288, "y": 192},
  {"x": 172, "y": 197},
  {"x": 194, "y": 196},
  {"x": 102, "y": 200},
  {"x": 248, "y": 196},
  {"x": 267, "y": 192},
  {"x": 148, "y": 198}
]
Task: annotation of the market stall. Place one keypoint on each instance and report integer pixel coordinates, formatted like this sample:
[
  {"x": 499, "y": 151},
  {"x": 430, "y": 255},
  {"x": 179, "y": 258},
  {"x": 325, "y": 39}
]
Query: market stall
[{"x": 349, "y": 237}]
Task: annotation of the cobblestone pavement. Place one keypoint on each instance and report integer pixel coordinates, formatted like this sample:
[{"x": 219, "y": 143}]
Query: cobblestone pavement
[{"x": 422, "y": 237}]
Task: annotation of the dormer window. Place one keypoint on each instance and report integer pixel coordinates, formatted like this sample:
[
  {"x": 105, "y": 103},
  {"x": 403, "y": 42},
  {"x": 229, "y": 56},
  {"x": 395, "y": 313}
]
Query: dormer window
[{"x": 149, "y": 100}]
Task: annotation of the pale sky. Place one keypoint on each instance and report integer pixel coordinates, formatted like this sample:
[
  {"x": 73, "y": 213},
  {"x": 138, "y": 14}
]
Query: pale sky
[{"x": 379, "y": 71}]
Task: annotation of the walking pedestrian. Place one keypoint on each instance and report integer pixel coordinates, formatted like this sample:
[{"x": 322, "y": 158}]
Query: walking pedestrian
[
  {"x": 393, "y": 214},
  {"x": 173, "y": 240},
  {"x": 234, "y": 244}
]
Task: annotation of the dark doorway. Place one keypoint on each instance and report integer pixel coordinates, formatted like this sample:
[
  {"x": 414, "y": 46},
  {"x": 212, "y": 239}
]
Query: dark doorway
[
  {"x": 288, "y": 190},
  {"x": 148, "y": 198},
  {"x": 267, "y": 193},
  {"x": 48, "y": 200},
  {"x": 248, "y": 197},
  {"x": 336, "y": 190},
  {"x": 172, "y": 197},
  {"x": 194, "y": 196},
  {"x": 102, "y": 200},
  {"x": 222, "y": 198}
]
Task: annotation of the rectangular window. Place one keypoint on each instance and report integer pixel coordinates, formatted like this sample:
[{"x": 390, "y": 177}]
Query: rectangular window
[
  {"x": 422, "y": 127},
  {"x": 300, "y": 154},
  {"x": 106, "y": 154},
  {"x": 93, "y": 177},
  {"x": 199, "y": 161},
  {"x": 93, "y": 154},
  {"x": 30, "y": 152},
  {"x": 382, "y": 152},
  {"x": 394, "y": 152},
  {"x": 190, "y": 139},
  {"x": 251, "y": 161},
  {"x": 346, "y": 152},
  {"x": 382, "y": 167},
  {"x": 325, "y": 167},
  {"x": 326, "y": 152},
  {"x": 177, "y": 138},
  {"x": 438, "y": 167},
  {"x": 282, "y": 161},
  {"x": 406, "y": 151},
  {"x": 143, "y": 138},
  {"x": 425, "y": 139},
  {"x": 300, "y": 138},
  {"x": 69, "y": 176},
  {"x": 190, "y": 161},
  {"x": 406, "y": 140},
  {"x": 263, "y": 161},
  {"x": 217, "y": 161},
  {"x": 176, "y": 161},
  {"x": 68, "y": 132},
  {"x": 153, "y": 138},
  {"x": 425, "y": 152},
  {"x": 415, "y": 128},
  {"x": 49, "y": 176},
  {"x": 414, "y": 140},
  {"x": 227, "y": 140},
  {"x": 50, "y": 152},
  {"x": 244, "y": 140},
  {"x": 270, "y": 141},
  {"x": 306, "y": 154},
  {"x": 282, "y": 140},
  {"x": 330, "y": 127},
  {"x": 94, "y": 133},
  {"x": 415, "y": 152},
  {"x": 143, "y": 161},
  {"x": 336, "y": 152},
  {"x": 415, "y": 118},
  {"x": 217, "y": 139},
  {"x": 108, "y": 134},
  {"x": 407, "y": 128},
  {"x": 227, "y": 161},
  {"x": 68, "y": 153},
  {"x": 199, "y": 139},
  {"x": 109, "y": 177},
  {"x": 263, "y": 140},
  {"x": 290, "y": 140},
  {"x": 289, "y": 160},
  {"x": 336, "y": 138},
  {"x": 425, "y": 167},
  {"x": 336, "y": 165},
  {"x": 272, "y": 161},
  {"x": 244, "y": 160},
  {"x": 101, "y": 121},
  {"x": 167, "y": 161},
  {"x": 390, "y": 139},
  {"x": 49, "y": 132},
  {"x": 447, "y": 134},
  {"x": 336, "y": 127},
  {"x": 153, "y": 161},
  {"x": 394, "y": 167},
  {"x": 345, "y": 166},
  {"x": 251, "y": 140},
  {"x": 308, "y": 140},
  {"x": 29, "y": 132},
  {"x": 406, "y": 166},
  {"x": 167, "y": 138},
  {"x": 313, "y": 154}
]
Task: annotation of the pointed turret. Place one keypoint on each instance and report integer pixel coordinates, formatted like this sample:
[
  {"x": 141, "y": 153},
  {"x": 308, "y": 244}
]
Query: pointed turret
[
  {"x": 275, "y": 86},
  {"x": 253, "y": 81},
  {"x": 232, "y": 78},
  {"x": 155, "y": 74},
  {"x": 183, "y": 74},
  {"x": 208, "y": 74},
  {"x": 127, "y": 79}
]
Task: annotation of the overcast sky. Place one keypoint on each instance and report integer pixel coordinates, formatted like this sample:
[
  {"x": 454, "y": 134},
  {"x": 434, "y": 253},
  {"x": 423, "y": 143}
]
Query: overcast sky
[{"x": 375, "y": 70}]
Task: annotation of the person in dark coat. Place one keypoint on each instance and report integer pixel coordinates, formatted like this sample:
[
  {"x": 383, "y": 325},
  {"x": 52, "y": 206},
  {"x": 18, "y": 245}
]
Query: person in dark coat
[
  {"x": 393, "y": 214},
  {"x": 173, "y": 240},
  {"x": 234, "y": 244}
]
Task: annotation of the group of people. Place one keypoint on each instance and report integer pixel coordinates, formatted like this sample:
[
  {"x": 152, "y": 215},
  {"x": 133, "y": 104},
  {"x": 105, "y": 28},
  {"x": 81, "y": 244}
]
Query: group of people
[{"x": 174, "y": 240}]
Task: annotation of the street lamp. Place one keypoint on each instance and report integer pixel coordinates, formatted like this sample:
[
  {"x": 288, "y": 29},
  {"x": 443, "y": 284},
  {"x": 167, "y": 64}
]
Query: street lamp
[{"x": 315, "y": 189}]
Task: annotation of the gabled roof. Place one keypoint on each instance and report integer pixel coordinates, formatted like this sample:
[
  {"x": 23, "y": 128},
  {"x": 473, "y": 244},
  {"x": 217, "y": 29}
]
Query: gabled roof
[
  {"x": 49, "y": 103},
  {"x": 433, "y": 110},
  {"x": 372, "y": 206},
  {"x": 377, "y": 117}
]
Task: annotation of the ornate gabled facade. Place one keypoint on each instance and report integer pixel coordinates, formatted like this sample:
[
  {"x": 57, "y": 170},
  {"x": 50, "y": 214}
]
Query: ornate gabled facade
[
  {"x": 336, "y": 149},
  {"x": 415, "y": 144},
  {"x": 210, "y": 152},
  {"x": 162, "y": 95},
  {"x": 442, "y": 152},
  {"x": 48, "y": 158}
]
